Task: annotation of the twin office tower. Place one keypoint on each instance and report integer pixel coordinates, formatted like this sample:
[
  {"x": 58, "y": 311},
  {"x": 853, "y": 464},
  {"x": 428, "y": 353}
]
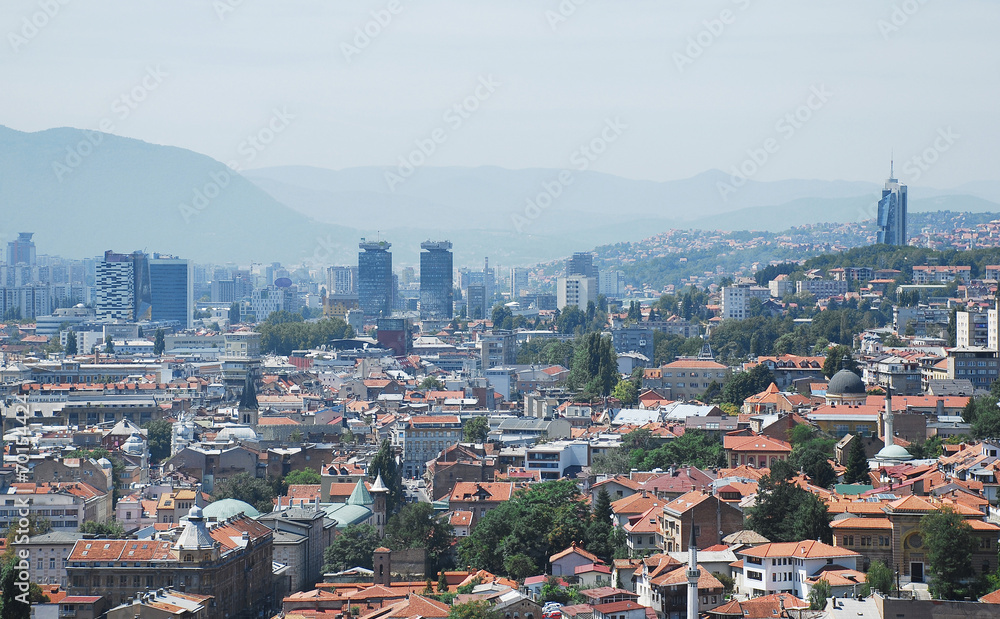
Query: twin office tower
[{"x": 377, "y": 287}]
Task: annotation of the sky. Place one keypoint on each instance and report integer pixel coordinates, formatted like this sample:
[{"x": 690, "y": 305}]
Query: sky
[{"x": 655, "y": 90}]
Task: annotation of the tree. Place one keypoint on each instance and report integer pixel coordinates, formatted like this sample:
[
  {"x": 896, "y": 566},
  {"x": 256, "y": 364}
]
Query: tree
[
  {"x": 879, "y": 577},
  {"x": 813, "y": 460},
  {"x": 857, "y": 463},
  {"x": 104, "y": 530},
  {"x": 595, "y": 366},
  {"x": 554, "y": 591},
  {"x": 384, "y": 463},
  {"x": 927, "y": 449},
  {"x": 159, "y": 344},
  {"x": 839, "y": 358},
  {"x": 476, "y": 430},
  {"x": 819, "y": 594},
  {"x": 14, "y": 602},
  {"x": 71, "y": 344},
  {"x": 158, "y": 434},
  {"x": 950, "y": 544},
  {"x": 353, "y": 547},
  {"x": 109, "y": 346},
  {"x": 431, "y": 383},
  {"x": 695, "y": 447},
  {"x": 442, "y": 585},
  {"x": 476, "y": 609},
  {"x": 745, "y": 384},
  {"x": 525, "y": 531},
  {"x": 784, "y": 512},
  {"x": 247, "y": 488},
  {"x": 603, "y": 538},
  {"x": 234, "y": 313},
  {"x": 416, "y": 525},
  {"x": 626, "y": 393},
  {"x": 302, "y": 476}
]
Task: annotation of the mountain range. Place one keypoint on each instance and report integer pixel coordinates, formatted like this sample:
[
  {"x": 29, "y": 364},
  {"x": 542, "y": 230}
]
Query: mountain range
[{"x": 83, "y": 192}]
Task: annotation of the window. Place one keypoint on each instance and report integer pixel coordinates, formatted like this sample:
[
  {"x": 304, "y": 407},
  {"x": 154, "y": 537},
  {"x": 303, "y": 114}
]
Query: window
[{"x": 752, "y": 575}]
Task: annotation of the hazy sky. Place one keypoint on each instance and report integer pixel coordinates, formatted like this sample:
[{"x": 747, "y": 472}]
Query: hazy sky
[{"x": 695, "y": 83}]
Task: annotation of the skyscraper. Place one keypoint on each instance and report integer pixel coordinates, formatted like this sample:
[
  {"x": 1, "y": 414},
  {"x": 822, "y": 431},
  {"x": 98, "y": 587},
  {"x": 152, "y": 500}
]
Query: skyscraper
[
  {"x": 171, "y": 289},
  {"x": 436, "y": 280},
  {"x": 582, "y": 263},
  {"x": 375, "y": 289},
  {"x": 892, "y": 213},
  {"x": 123, "y": 289},
  {"x": 21, "y": 250},
  {"x": 518, "y": 281}
]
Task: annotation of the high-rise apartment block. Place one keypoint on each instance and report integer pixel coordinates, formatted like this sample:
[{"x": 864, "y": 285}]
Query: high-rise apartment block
[
  {"x": 436, "y": 280},
  {"x": 21, "y": 250},
  {"x": 123, "y": 288},
  {"x": 342, "y": 280},
  {"x": 575, "y": 290}
]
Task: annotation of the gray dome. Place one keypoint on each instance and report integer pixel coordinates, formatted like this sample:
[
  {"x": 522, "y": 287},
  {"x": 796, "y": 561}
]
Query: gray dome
[{"x": 845, "y": 382}]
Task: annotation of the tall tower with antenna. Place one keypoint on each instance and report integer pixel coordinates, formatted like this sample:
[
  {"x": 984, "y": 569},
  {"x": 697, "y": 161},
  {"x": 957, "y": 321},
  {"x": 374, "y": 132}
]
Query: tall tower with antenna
[{"x": 892, "y": 211}]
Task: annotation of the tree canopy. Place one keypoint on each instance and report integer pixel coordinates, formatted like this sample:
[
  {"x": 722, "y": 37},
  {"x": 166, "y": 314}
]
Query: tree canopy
[
  {"x": 353, "y": 547},
  {"x": 158, "y": 434},
  {"x": 247, "y": 488},
  {"x": 417, "y": 526},
  {"x": 384, "y": 463},
  {"x": 476, "y": 430},
  {"x": 787, "y": 513},
  {"x": 302, "y": 476},
  {"x": 284, "y": 331},
  {"x": 950, "y": 544},
  {"x": 517, "y": 537},
  {"x": 595, "y": 366}
]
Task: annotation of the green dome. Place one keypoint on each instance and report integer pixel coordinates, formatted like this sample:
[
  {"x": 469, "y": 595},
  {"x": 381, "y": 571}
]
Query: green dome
[{"x": 227, "y": 508}]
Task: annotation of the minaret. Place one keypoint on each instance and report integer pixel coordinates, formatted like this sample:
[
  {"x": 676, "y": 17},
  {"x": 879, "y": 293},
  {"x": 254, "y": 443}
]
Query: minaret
[
  {"x": 887, "y": 426},
  {"x": 692, "y": 574}
]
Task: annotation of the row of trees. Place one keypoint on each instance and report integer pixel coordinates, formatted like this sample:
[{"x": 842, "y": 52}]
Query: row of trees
[{"x": 284, "y": 331}]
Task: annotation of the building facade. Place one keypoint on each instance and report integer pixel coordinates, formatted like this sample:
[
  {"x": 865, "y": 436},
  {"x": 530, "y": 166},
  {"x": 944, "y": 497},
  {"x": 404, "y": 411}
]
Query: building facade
[
  {"x": 375, "y": 283},
  {"x": 436, "y": 280}
]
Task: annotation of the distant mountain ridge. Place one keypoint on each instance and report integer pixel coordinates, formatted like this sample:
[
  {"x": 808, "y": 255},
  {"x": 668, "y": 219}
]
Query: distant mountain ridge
[{"x": 84, "y": 192}]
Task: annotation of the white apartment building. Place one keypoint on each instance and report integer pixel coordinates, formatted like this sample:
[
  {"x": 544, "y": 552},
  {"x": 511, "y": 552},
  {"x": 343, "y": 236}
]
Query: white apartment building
[
  {"x": 786, "y": 567},
  {"x": 575, "y": 290}
]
